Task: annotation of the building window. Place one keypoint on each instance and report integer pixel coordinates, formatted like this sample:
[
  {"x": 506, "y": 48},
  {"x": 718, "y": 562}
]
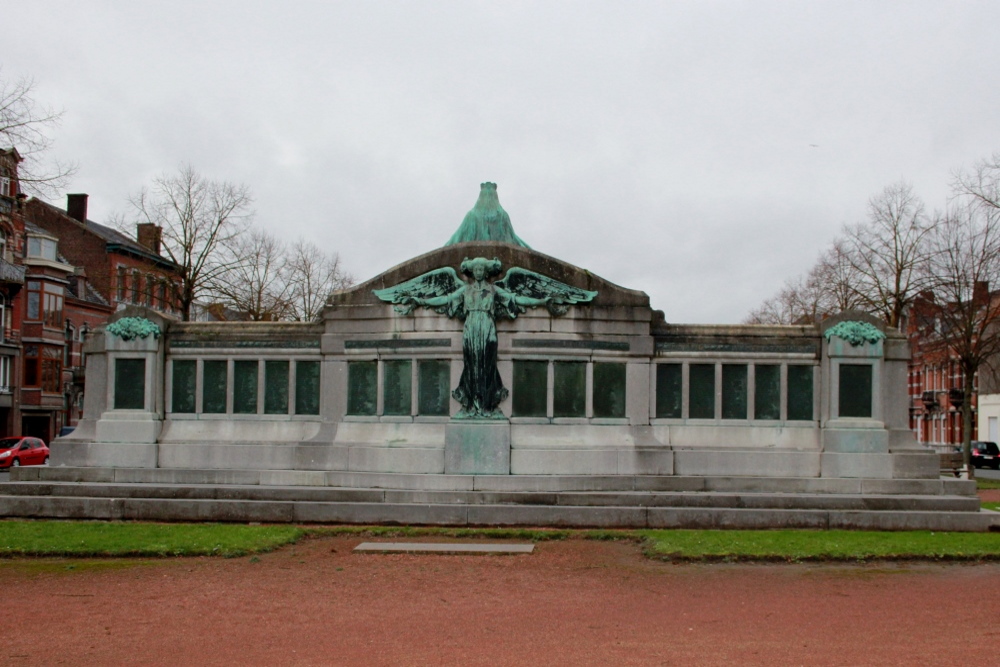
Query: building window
[
  {"x": 800, "y": 393},
  {"x": 609, "y": 390},
  {"x": 5, "y": 363},
  {"x": 701, "y": 393},
  {"x": 767, "y": 391},
  {"x": 570, "y": 389},
  {"x": 855, "y": 390},
  {"x": 245, "y": 387},
  {"x": 42, "y": 248},
  {"x": 668, "y": 391},
  {"x": 307, "y": 387},
  {"x": 434, "y": 387},
  {"x": 43, "y": 367},
  {"x": 362, "y": 387},
  {"x": 130, "y": 384},
  {"x": 215, "y": 386},
  {"x": 275, "y": 387},
  {"x": 33, "y": 309},
  {"x": 148, "y": 292},
  {"x": 734, "y": 391},
  {"x": 122, "y": 286},
  {"x": 184, "y": 386},
  {"x": 162, "y": 294},
  {"x": 5, "y": 187},
  {"x": 51, "y": 369},
  {"x": 397, "y": 383},
  {"x": 53, "y": 306},
  {"x": 530, "y": 388}
]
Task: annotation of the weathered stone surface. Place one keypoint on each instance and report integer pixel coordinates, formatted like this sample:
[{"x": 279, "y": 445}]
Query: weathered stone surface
[
  {"x": 856, "y": 465},
  {"x": 477, "y": 448},
  {"x": 749, "y": 464}
]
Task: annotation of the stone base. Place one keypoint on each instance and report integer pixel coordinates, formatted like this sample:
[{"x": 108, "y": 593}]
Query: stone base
[
  {"x": 868, "y": 466},
  {"x": 847, "y": 440},
  {"x": 131, "y": 427},
  {"x": 477, "y": 448},
  {"x": 101, "y": 454}
]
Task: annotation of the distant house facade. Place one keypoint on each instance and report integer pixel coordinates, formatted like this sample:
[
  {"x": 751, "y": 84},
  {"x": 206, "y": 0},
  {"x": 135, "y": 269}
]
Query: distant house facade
[
  {"x": 82, "y": 272},
  {"x": 122, "y": 270},
  {"x": 936, "y": 380},
  {"x": 11, "y": 286}
]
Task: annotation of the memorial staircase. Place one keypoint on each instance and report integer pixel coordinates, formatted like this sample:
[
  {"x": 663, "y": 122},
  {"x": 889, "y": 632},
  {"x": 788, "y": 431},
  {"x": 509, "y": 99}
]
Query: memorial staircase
[{"x": 620, "y": 501}]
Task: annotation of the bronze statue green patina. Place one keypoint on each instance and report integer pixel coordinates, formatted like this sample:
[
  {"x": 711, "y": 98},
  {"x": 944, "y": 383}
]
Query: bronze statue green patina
[
  {"x": 855, "y": 333},
  {"x": 480, "y": 303},
  {"x": 487, "y": 221}
]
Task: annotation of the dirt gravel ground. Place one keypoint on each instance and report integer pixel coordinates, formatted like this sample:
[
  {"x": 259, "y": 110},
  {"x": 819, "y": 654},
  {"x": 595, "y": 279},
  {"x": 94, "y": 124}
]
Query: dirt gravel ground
[{"x": 570, "y": 603}]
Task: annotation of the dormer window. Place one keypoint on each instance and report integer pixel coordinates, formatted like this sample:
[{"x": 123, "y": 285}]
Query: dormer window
[{"x": 40, "y": 247}]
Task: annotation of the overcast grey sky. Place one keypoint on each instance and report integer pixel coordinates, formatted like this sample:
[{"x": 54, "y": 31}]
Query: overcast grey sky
[{"x": 702, "y": 152}]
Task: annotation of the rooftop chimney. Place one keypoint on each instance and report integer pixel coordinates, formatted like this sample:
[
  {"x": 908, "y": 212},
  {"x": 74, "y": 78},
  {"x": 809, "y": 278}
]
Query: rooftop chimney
[
  {"x": 148, "y": 235},
  {"x": 76, "y": 207}
]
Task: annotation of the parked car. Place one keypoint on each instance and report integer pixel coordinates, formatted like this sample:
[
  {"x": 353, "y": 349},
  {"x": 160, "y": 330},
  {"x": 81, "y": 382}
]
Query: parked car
[
  {"x": 984, "y": 454},
  {"x": 23, "y": 451}
]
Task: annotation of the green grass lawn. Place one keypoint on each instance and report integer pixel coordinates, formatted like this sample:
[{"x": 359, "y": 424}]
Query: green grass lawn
[
  {"x": 841, "y": 545},
  {"x": 143, "y": 540},
  {"x": 135, "y": 539}
]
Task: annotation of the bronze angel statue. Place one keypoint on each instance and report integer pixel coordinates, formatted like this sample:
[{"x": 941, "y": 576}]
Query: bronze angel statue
[{"x": 480, "y": 304}]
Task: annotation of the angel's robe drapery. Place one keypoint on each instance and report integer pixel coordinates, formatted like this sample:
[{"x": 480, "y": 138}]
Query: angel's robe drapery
[{"x": 480, "y": 388}]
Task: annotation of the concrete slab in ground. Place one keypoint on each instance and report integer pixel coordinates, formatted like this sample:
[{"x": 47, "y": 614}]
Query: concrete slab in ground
[{"x": 444, "y": 548}]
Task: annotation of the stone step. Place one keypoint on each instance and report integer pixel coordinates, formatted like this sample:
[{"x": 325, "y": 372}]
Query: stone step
[
  {"x": 707, "y": 499},
  {"x": 525, "y": 483},
  {"x": 275, "y": 511}
]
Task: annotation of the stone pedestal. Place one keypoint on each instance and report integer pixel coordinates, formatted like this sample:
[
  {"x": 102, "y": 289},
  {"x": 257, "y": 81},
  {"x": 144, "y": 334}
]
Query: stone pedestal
[{"x": 477, "y": 448}]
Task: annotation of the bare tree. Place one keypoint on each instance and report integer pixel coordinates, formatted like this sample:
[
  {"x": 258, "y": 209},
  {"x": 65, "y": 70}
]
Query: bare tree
[
  {"x": 888, "y": 252},
  {"x": 255, "y": 282},
  {"x": 981, "y": 184},
  {"x": 795, "y": 302},
  {"x": 966, "y": 262},
  {"x": 24, "y": 126},
  {"x": 200, "y": 218},
  {"x": 834, "y": 279},
  {"x": 827, "y": 289},
  {"x": 313, "y": 276}
]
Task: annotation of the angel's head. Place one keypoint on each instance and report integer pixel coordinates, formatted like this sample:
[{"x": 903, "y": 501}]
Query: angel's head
[{"x": 480, "y": 267}]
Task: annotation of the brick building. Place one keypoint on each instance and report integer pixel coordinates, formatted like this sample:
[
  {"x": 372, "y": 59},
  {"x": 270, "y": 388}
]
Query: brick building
[
  {"x": 47, "y": 274},
  {"x": 61, "y": 276},
  {"x": 11, "y": 285},
  {"x": 122, "y": 270},
  {"x": 936, "y": 379}
]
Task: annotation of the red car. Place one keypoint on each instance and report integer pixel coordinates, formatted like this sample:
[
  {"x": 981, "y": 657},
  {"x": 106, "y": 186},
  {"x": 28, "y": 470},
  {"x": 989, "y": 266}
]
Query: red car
[{"x": 23, "y": 451}]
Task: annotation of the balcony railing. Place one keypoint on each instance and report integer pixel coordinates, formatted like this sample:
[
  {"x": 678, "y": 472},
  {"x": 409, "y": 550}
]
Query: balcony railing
[{"x": 10, "y": 336}]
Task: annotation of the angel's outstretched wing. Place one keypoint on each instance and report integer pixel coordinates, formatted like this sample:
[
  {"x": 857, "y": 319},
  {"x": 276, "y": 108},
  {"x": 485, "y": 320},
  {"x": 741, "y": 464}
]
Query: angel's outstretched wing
[
  {"x": 416, "y": 291},
  {"x": 527, "y": 286}
]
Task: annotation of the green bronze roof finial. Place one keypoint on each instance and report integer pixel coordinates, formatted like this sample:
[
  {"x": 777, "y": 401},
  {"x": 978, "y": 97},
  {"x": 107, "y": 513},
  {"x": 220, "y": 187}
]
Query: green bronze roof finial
[{"x": 487, "y": 221}]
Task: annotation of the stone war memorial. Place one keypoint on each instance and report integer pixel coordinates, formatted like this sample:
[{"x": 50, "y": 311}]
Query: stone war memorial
[{"x": 487, "y": 383}]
